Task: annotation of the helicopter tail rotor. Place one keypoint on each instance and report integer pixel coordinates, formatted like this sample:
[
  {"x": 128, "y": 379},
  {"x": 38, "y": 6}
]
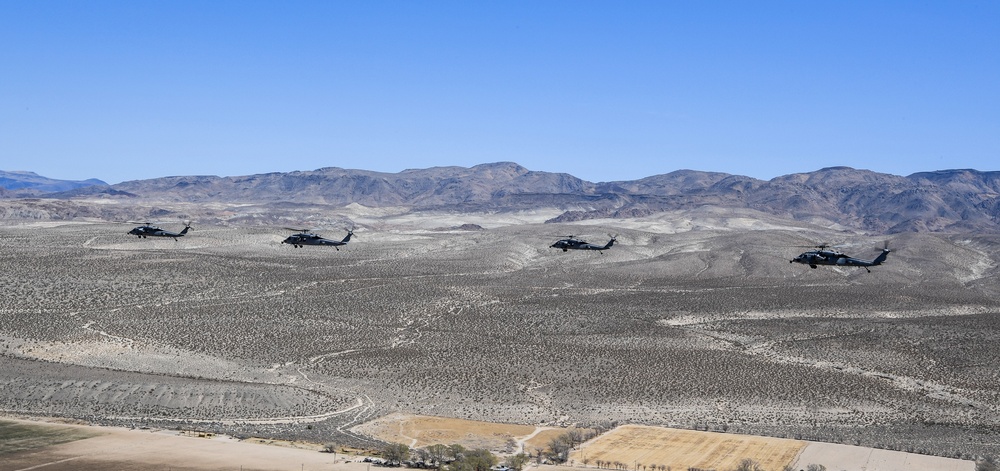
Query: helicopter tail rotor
[
  {"x": 611, "y": 242},
  {"x": 885, "y": 247},
  {"x": 350, "y": 233},
  {"x": 882, "y": 256}
]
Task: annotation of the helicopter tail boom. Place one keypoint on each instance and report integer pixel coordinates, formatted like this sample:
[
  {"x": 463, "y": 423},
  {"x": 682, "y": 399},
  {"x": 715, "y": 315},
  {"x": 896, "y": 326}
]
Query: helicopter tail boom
[
  {"x": 881, "y": 257},
  {"x": 609, "y": 244}
]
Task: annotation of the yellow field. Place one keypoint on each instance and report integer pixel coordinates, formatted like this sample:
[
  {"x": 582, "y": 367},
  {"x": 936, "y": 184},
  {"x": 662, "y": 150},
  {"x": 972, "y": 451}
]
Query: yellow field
[{"x": 651, "y": 447}]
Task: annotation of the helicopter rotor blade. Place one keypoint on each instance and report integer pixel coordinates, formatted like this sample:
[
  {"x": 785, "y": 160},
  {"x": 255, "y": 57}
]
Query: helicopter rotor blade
[{"x": 820, "y": 246}]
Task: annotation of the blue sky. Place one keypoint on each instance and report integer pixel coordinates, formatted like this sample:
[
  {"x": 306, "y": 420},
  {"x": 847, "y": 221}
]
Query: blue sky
[{"x": 602, "y": 90}]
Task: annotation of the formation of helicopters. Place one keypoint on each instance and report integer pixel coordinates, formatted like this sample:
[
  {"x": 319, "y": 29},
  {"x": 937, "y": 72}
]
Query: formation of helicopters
[{"x": 823, "y": 254}]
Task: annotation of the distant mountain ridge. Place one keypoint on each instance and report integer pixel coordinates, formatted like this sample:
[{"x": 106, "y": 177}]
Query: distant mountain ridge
[
  {"x": 32, "y": 182},
  {"x": 946, "y": 200}
]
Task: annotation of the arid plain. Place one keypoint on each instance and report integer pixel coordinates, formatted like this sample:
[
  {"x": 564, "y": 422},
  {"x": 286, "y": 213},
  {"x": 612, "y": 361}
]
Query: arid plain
[{"x": 693, "y": 320}]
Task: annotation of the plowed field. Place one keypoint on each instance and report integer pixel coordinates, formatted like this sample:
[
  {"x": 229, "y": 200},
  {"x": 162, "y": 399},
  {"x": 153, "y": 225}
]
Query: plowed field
[{"x": 659, "y": 448}]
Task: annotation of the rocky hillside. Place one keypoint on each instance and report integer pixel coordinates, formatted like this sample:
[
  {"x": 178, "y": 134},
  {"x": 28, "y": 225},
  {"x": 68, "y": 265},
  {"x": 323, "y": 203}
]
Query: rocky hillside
[
  {"x": 948, "y": 200},
  {"x": 422, "y": 188}
]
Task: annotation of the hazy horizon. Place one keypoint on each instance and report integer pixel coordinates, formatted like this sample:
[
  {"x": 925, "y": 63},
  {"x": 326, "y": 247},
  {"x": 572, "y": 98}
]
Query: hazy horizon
[{"x": 474, "y": 165}]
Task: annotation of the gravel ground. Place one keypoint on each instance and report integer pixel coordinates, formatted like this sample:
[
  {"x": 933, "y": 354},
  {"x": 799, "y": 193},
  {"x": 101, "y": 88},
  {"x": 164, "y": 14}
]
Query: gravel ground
[{"x": 227, "y": 330}]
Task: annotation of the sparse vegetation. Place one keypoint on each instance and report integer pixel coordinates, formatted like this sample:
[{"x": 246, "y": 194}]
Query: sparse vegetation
[
  {"x": 518, "y": 461},
  {"x": 700, "y": 330},
  {"x": 748, "y": 464}
]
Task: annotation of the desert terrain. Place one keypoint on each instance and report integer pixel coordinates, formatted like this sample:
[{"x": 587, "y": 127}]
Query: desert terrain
[{"x": 694, "y": 320}]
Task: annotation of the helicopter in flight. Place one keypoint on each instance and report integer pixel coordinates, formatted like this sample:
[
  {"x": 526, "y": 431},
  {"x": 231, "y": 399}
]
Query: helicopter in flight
[
  {"x": 823, "y": 256},
  {"x": 304, "y": 237},
  {"x": 149, "y": 230},
  {"x": 572, "y": 243}
]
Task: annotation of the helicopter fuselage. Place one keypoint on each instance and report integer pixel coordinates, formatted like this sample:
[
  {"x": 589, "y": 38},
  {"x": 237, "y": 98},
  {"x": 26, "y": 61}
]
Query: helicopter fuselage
[
  {"x": 574, "y": 244},
  {"x": 305, "y": 238},
  {"x": 814, "y": 258},
  {"x": 153, "y": 231}
]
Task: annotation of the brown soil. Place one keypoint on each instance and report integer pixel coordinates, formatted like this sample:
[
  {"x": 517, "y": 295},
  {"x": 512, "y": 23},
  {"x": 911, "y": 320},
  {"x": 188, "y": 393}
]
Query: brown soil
[
  {"x": 119, "y": 448},
  {"x": 654, "y": 448},
  {"x": 417, "y": 431}
]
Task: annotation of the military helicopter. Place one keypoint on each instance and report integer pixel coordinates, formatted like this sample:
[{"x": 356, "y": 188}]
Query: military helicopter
[
  {"x": 822, "y": 256},
  {"x": 149, "y": 230},
  {"x": 572, "y": 243},
  {"x": 304, "y": 237}
]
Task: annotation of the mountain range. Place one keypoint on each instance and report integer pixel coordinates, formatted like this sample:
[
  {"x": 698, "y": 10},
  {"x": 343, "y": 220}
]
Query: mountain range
[
  {"x": 37, "y": 184},
  {"x": 946, "y": 200}
]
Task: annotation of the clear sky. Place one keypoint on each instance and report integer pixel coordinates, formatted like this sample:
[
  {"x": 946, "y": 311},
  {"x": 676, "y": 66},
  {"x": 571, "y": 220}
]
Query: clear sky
[{"x": 123, "y": 90}]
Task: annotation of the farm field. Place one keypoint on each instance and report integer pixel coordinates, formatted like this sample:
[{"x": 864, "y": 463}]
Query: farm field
[
  {"x": 58, "y": 446},
  {"x": 657, "y": 448},
  {"x": 228, "y": 331},
  {"x": 661, "y": 448},
  {"x": 106, "y": 448},
  {"x": 19, "y": 436}
]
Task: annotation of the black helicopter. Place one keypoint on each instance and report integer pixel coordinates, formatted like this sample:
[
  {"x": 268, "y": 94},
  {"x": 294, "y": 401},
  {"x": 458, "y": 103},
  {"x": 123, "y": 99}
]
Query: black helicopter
[
  {"x": 822, "y": 256},
  {"x": 304, "y": 237},
  {"x": 571, "y": 243},
  {"x": 149, "y": 230}
]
